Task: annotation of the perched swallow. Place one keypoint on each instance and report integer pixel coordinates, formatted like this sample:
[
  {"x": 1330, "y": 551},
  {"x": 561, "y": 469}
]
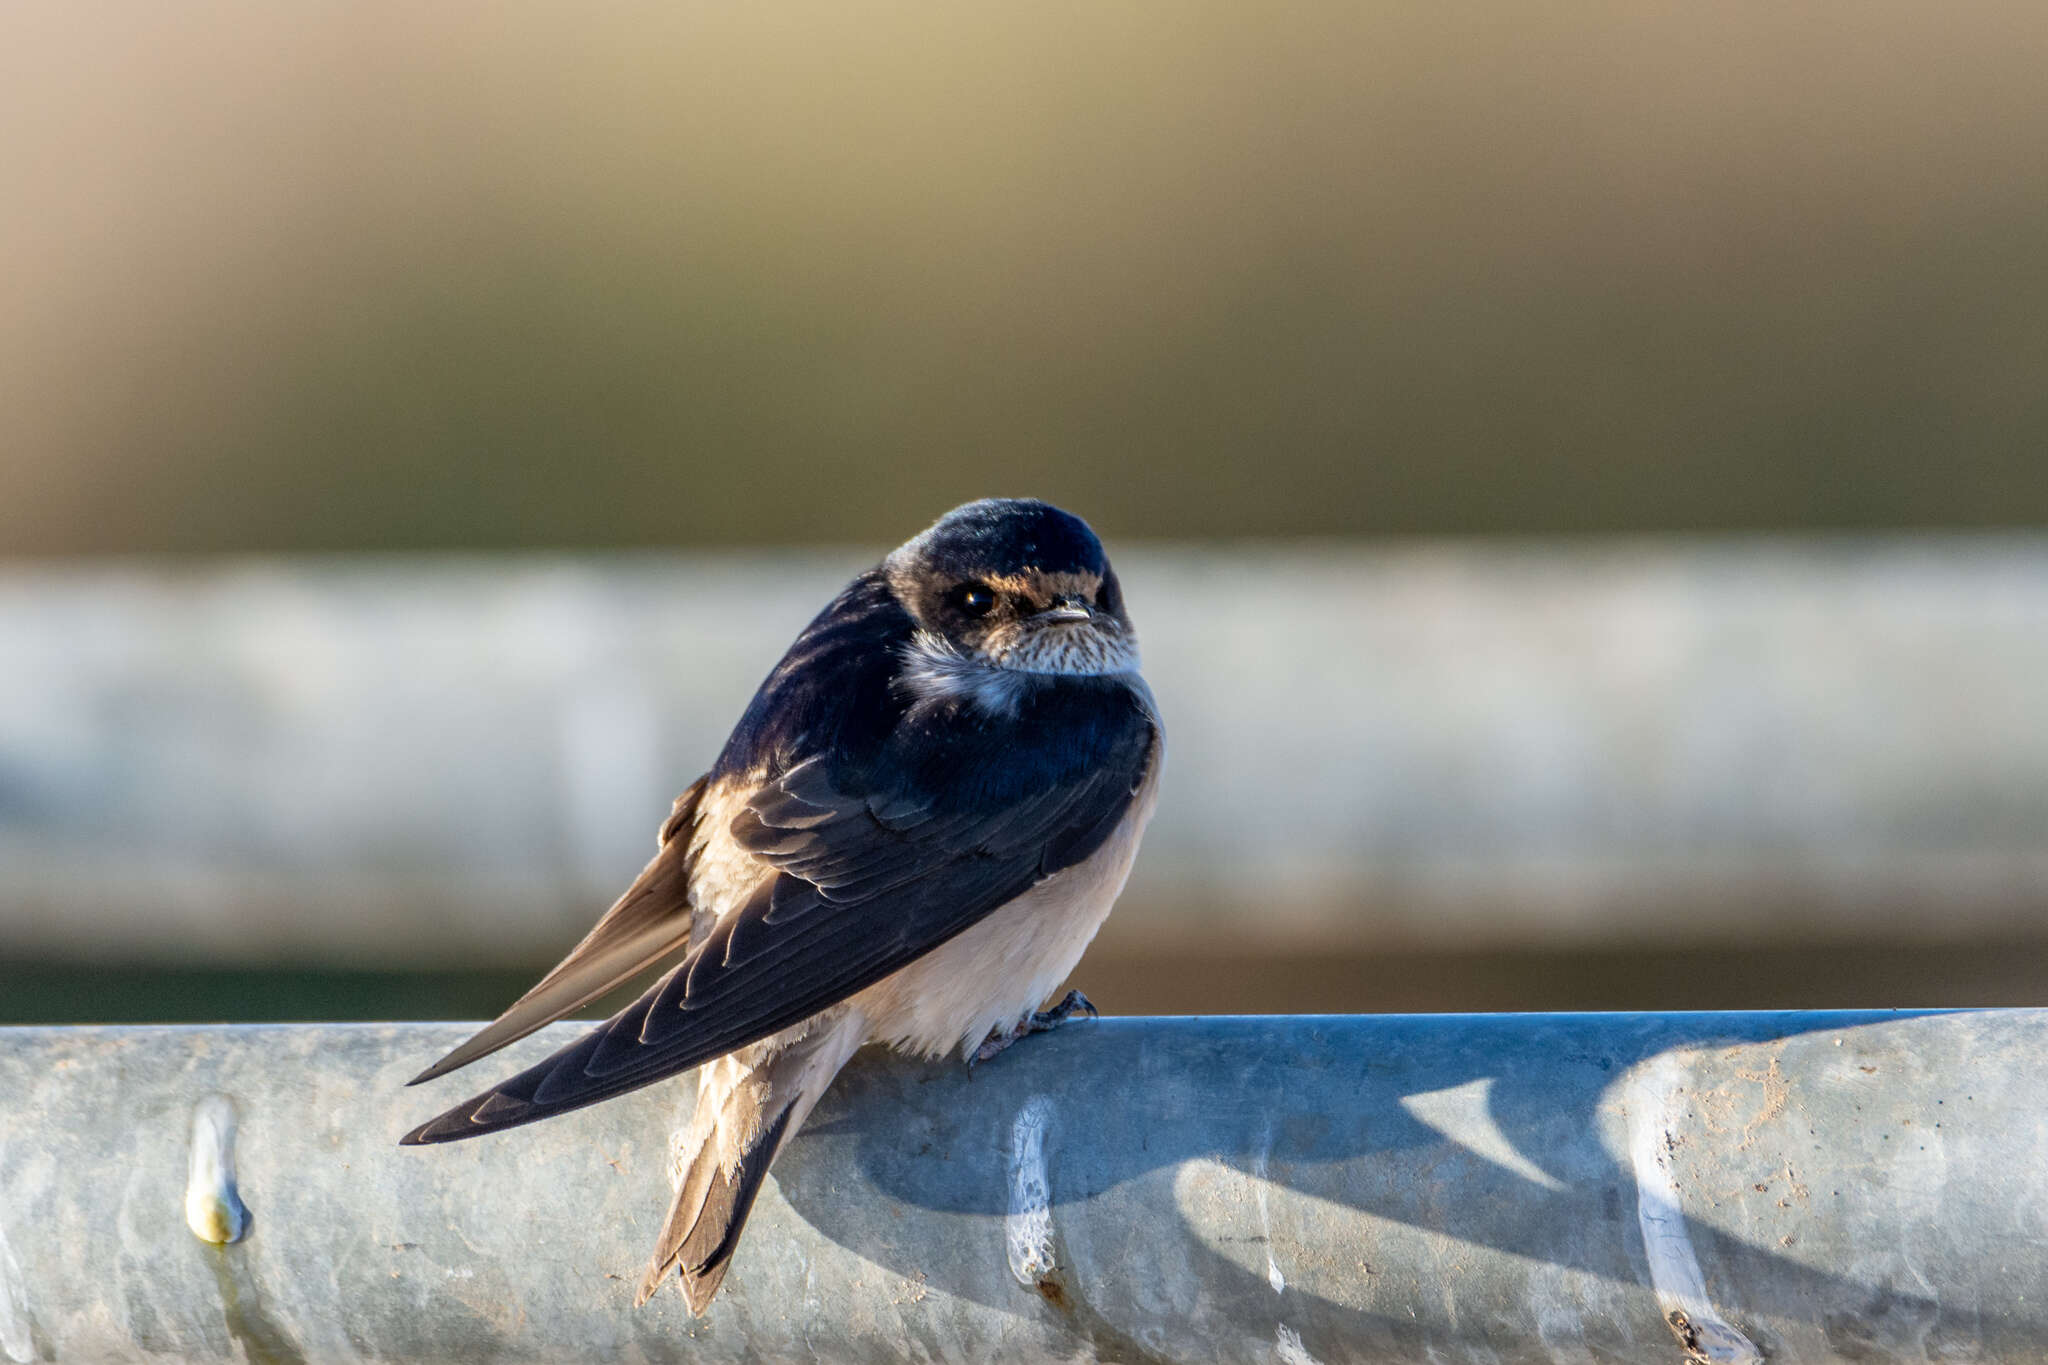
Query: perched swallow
[{"x": 914, "y": 831}]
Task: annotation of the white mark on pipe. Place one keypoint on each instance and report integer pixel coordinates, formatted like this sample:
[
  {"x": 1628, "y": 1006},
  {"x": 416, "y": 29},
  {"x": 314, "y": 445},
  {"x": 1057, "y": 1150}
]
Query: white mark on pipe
[
  {"x": 1656, "y": 1102},
  {"x": 1027, "y": 1231},
  {"x": 1464, "y": 1114},
  {"x": 1273, "y": 1275},
  {"x": 213, "y": 1206},
  {"x": 1288, "y": 1350},
  {"x": 15, "y": 1338}
]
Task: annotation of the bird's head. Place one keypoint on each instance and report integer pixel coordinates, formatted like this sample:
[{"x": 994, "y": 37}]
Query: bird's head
[{"x": 1014, "y": 584}]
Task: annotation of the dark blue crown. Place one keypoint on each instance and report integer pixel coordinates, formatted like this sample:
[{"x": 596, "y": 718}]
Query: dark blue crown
[{"x": 1005, "y": 535}]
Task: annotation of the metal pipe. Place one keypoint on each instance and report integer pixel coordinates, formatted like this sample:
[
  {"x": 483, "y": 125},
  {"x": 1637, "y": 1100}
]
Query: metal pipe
[
  {"x": 461, "y": 761},
  {"x": 1542, "y": 1188}
]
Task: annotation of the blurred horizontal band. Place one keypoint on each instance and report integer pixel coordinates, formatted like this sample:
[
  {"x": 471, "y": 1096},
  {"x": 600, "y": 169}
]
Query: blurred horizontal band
[{"x": 461, "y": 760}]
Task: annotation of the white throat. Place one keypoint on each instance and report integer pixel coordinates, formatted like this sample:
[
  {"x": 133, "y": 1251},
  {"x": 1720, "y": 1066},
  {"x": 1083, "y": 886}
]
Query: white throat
[{"x": 934, "y": 671}]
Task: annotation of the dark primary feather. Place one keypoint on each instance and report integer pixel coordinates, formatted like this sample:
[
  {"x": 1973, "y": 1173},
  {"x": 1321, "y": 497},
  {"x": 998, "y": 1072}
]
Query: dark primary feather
[
  {"x": 650, "y": 922},
  {"x": 852, "y": 641},
  {"x": 891, "y": 830}
]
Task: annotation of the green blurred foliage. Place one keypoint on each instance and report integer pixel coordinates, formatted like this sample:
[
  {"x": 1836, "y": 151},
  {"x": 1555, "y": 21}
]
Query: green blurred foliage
[
  {"x": 370, "y": 276},
  {"x": 1835, "y": 975}
]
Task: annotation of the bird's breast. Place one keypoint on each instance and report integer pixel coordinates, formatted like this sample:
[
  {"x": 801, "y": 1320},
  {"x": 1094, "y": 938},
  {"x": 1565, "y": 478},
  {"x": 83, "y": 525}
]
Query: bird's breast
[{"x": 1007, "y": 963}]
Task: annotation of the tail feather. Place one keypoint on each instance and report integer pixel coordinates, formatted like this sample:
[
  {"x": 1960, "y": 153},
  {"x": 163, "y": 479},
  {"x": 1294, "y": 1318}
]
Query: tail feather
[
  {"x": 705, "y": 1248},
  {"x": 750, "y": 1105}
]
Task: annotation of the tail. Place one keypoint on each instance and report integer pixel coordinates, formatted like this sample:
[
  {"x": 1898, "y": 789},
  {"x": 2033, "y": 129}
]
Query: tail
[{"x": 748, "y": 1105}]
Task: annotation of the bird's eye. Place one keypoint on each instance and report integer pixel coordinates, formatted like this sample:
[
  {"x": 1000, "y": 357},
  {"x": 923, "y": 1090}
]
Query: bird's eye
[{"x": 974, "y": 599}]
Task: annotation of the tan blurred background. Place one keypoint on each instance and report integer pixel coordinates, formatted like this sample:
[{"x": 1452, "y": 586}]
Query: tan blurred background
[{"x": 368, "y": 277}]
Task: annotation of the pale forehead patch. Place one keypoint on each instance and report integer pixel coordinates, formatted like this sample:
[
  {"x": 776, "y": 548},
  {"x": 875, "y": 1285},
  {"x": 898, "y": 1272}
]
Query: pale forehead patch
[{"x": 1036, "y": 584}]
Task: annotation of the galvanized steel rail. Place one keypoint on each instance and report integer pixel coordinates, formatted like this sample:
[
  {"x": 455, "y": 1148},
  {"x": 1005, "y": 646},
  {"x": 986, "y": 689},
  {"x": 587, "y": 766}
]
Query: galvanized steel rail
[
  {"x": 460, "y": 761},
  {"x": 1564, "y": 1188}
]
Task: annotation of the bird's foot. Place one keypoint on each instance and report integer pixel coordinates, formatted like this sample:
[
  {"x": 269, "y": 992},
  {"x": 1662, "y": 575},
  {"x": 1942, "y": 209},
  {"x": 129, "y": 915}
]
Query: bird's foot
[
  {"x": 1043, "y": 1021},
  {"x": 997, "y": 1040}
]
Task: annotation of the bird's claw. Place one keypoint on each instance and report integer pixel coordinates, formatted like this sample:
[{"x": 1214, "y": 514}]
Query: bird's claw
[
  {"x": 1047, "y": 1020},
  {"x": 1043, "y": 1021}
]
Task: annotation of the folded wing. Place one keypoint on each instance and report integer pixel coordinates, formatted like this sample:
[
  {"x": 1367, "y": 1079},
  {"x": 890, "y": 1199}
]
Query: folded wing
[
  {"x": 871, "y": 874},
  {"x": 645, "y": 926}
]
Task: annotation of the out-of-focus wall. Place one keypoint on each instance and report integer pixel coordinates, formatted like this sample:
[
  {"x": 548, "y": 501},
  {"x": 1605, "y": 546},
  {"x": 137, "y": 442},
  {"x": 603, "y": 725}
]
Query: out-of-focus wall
[{"x": 375, "y": 275}]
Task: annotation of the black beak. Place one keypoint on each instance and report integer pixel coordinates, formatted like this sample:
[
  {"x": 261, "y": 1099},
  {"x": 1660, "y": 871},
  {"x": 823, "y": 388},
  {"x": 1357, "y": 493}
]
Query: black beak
[{"x": 1067, "y": 608}]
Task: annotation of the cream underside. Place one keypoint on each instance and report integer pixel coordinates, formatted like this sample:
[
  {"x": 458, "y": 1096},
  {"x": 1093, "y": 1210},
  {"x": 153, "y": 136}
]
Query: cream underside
[
  {"x": 949, "y": 999},
  {"x": 997, "y": 971}
]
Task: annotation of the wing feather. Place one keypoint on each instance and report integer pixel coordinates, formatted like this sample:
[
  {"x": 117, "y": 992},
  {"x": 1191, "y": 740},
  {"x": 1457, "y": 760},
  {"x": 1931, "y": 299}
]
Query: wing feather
[
  {"x": 870, "y": 875},
  {"x": 647, "y": 924}
]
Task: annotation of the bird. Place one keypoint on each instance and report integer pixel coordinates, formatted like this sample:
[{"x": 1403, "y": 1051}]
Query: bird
[{"x": 915, "y": 829}]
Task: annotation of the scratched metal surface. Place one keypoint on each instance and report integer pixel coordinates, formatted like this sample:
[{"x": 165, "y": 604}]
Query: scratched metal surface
[{"x": 1814, "y": 1187}]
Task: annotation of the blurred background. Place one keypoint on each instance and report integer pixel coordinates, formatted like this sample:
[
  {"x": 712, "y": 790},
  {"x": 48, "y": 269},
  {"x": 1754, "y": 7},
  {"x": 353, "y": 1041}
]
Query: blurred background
[{"x": 1579, "y": 471}]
